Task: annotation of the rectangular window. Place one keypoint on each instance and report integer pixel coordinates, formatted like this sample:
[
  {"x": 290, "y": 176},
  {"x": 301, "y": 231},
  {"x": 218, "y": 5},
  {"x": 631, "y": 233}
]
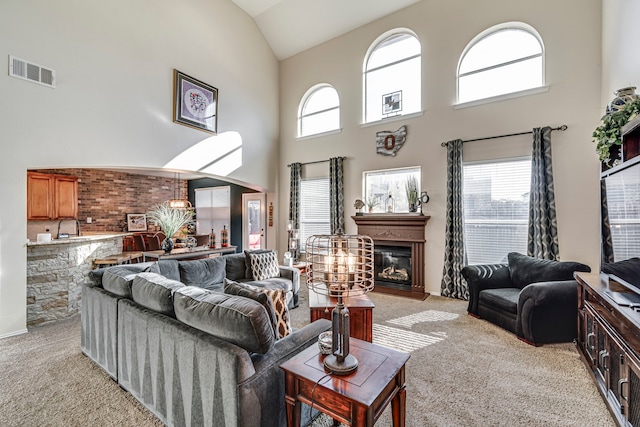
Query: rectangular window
[
  {"x": 213, "y": 210},
  {"x": 496, "y": 209},
  {"x": 378, "y": 185},
  {"x": 314, "y": 209}
]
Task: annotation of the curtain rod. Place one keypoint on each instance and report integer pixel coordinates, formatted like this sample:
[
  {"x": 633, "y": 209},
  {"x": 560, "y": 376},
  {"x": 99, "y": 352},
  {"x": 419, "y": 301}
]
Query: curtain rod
[
  {"x": 317, "y": 161},
  {"x": 562, "y": 128}
]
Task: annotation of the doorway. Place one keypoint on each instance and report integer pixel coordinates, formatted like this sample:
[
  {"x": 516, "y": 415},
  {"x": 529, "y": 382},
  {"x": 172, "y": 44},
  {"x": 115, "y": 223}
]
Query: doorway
[{"x": 254, "y": 220}]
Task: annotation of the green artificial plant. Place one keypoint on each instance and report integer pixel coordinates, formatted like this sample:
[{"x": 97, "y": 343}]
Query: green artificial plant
[
  {"x": 169, "y": 219},
  {"x": 608, "y": 133},
  {"x": 411, "y": 188}
]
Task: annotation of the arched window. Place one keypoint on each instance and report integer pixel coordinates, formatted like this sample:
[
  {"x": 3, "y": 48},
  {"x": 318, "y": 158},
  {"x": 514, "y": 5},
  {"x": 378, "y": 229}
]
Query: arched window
[
  {"x": 392, "y": 85},
  {"x": 504, "y": 59},
  {"x": 319, "y": 111}
]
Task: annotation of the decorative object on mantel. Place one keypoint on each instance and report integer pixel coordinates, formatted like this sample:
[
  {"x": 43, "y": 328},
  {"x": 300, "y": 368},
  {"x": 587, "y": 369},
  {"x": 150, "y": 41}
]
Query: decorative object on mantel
[
  {"x": 608, "y": 136},
  {"x": 359, "y": 204},
  {"x": 340, "y": 266},
  {"x": 624, "y": 96},
  {"x": 195, "y": 103},
  {"x": 170, "y": 220},
  {"x": 423, "y": 200},
  {"x": 411, "y": 188},
  {"x": 388, "y": 143},
  {"x": 372, "y": 201}
]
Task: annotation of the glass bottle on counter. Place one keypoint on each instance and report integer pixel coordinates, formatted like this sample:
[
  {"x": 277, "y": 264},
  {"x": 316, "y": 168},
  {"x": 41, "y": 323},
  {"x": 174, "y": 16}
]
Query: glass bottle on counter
[
  {"x": 212, "y": 239},
  {"x": 390, "y": 204},
  {"x": 224, "y": 237}
]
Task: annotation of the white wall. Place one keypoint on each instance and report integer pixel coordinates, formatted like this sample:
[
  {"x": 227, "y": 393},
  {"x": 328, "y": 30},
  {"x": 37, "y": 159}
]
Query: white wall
[
  {"x": 112, "y": 106},
  {"x": 571, "y": 33},
  {"x": 620, "y": 59}
]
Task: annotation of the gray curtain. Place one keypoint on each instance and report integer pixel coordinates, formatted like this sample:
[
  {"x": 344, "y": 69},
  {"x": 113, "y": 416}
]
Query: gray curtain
[
  {"x": 453, "y": 284},
  {"x": 336, "y": 194},
  {"x": 543, "y": 224},
  {"x": 294, "y": 194}
]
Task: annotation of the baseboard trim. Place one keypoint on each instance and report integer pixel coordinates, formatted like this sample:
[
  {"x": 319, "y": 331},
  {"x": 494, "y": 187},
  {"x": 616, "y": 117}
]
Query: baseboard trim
[{"x": 13, "y": 334}]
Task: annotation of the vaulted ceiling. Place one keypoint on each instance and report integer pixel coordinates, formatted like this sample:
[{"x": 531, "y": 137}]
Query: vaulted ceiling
[{"x": 291, "y": 26}]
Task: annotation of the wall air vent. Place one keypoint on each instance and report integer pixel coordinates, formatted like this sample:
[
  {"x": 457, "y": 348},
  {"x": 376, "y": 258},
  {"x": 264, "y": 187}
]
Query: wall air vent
[{"x": 32, "y": 72}]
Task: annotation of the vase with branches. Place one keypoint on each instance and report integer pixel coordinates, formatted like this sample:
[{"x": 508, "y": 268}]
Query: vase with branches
[
  {"x": 411, "y": 188},
  {"x": 372, "y": 202},
  {"x": 170, "y": 220}
]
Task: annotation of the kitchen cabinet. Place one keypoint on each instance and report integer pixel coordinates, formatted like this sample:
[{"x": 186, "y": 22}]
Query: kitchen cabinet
[{"x": 51, "y": 196}]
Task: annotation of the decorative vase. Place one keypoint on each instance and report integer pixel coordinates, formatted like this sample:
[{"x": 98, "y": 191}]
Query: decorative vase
[
  {"x": 167, "y": 245},
  {"x": 623, "y": 96},
  {"x": 413, "y": 207}
]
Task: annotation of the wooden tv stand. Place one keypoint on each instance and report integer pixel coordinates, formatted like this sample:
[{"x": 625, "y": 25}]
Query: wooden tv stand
[{"x": 609, "y": 341}]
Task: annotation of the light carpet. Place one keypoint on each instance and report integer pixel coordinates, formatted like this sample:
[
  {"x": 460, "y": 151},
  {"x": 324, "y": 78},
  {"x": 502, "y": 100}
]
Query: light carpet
[{"x": 462, "y": 372}]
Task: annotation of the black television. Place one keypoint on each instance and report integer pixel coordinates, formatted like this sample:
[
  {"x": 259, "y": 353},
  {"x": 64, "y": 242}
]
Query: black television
[{"x": 620, "y": 214}]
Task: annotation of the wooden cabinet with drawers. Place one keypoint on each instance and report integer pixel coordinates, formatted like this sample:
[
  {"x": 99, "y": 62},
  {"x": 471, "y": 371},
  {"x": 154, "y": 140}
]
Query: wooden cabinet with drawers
[{"x": 51, "y": 196}]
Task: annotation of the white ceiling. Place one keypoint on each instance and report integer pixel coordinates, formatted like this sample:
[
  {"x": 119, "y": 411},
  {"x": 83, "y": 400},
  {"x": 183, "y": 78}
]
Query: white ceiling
[{"x": 291, "y": 26}]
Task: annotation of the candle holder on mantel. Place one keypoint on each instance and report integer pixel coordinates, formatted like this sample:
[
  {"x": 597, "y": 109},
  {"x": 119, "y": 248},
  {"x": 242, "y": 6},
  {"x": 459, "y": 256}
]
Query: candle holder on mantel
[{"x": 340, "y": 266}]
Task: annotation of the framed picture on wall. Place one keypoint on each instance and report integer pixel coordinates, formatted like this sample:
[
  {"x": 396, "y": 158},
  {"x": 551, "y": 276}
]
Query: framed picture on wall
[
  {"x": 136, "y": 222},
  {"x": 195, "y": 103}
]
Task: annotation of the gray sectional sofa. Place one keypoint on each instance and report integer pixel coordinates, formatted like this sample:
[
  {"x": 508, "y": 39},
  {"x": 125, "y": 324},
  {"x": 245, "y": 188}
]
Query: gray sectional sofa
[{"x": 191, "y": 354}]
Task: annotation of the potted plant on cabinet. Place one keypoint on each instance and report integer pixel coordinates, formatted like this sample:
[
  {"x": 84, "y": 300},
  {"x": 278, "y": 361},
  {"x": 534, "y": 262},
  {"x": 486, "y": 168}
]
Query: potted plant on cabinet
[
  {"x": 170, "y": 220},
  {"x": 607, "y": 135}
]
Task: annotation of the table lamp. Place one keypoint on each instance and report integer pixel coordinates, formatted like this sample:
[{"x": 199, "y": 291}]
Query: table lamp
[{"x": 340, "y": 266}]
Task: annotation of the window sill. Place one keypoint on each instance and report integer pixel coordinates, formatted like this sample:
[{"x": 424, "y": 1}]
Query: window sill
[
  {"x": 392, "y": 119},
  {"x": 319, "y": 135},
  {"x": 501, "y": 97}
]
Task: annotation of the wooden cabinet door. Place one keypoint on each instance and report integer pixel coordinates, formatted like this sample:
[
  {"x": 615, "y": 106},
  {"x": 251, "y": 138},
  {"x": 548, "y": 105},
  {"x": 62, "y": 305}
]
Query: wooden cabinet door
[
  {"x": 39, "y": 196},
  {"x": 66, "y": 197}
]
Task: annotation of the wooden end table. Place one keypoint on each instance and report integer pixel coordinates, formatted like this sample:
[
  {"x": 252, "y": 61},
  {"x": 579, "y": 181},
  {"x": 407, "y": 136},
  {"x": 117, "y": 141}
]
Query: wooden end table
[
  {"x": 360, "y": 312},
  {"x": 357, "y": 399}
]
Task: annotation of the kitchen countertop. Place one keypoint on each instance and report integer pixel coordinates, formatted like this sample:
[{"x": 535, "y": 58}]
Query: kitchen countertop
[{"x": 85, "y": 238}]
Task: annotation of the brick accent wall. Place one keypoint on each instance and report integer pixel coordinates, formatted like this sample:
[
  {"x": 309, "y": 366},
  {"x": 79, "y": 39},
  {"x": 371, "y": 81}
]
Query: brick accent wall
[{"x": 107, "y": 196}]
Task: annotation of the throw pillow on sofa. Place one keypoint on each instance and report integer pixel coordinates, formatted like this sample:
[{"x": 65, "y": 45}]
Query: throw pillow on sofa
[
  {"x": 235, "y": 288},
  {"x": 278, "y": 299},
  {"x": 525, "y": 270},
  {"x": 248, "y": 274},
  {"x": 264, "y": 265}
]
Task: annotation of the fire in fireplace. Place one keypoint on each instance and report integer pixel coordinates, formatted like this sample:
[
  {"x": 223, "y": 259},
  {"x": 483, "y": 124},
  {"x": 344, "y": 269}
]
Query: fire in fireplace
[{"x": 392, "y": 266}]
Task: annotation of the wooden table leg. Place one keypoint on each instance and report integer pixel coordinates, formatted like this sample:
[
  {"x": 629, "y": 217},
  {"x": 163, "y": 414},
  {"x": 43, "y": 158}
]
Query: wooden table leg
[
  {"x": 293, "y": 405},
  {"x": 398, "y": 407}
]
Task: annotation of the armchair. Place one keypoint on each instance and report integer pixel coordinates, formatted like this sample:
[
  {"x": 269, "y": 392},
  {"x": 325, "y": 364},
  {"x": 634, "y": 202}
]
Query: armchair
[{"x": 535, "y": 299}]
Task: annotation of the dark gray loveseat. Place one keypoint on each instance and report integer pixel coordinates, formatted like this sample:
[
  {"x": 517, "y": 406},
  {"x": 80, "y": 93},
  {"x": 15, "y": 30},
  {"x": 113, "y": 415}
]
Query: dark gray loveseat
[
  {"x": 190, "y": 355},
  {"x": 535, "y": 299}
]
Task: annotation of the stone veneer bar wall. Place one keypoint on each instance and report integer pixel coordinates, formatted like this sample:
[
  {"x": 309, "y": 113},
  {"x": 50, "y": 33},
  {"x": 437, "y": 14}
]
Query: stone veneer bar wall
[{"x": 55, "y": 273}]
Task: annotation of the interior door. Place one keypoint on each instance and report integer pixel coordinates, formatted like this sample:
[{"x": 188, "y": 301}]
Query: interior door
[{"x": 254, "y": 221}]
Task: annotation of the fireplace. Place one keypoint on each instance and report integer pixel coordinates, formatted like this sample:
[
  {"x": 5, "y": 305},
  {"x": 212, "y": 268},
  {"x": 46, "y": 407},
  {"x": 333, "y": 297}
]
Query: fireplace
[
  {"x": 392, "y": 267},
  {"x": 399, "y": 251}
]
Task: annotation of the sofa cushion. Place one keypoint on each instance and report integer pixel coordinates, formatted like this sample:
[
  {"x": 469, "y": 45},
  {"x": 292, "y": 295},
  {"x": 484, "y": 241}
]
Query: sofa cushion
[
  {"x": 241, "y": 321},
  {"x": 121, "y": 270},
  {"x": 627, "y": 270},
  {"x": 118, "y": 283},
  {"x": 502, "y": 299},
  {"x": 278, "y": 297},
  {"x": 155, "y": 292},
  {"x": 167, "y": 268},
  {"x": 238, "y": 289},
  {"x": 264, "y": 265},
  {"x": 525, "y": 270},
  {"x": 248, "y": 274},
  {"x": 236, "y": 266},
  {"x": 204, "y": 273}
]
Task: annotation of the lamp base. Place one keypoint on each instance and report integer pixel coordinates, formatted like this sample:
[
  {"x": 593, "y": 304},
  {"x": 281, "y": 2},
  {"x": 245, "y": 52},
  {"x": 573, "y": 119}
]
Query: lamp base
[{"x": 346, "y": 367}]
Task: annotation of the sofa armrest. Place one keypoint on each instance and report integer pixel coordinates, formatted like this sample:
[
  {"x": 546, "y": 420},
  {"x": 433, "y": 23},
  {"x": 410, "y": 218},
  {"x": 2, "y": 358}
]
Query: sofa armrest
[
  {"x": 547, "y": 312},
  {"x": 292, "y": 274},
  {"x": 484, "y": 276},
  {"x": 262, "y": 395}
]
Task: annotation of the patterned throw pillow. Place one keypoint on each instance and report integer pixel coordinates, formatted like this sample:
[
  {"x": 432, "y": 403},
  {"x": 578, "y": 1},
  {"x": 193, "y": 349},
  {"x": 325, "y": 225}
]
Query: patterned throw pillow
[
  {"x": 278, "y": 299},
  {"x": 240, "y": 289},
  {"x": 264, "y": 265}
]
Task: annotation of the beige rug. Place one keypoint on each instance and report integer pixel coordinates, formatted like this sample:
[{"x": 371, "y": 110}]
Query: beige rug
[{"x": 462, "y": 372}]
